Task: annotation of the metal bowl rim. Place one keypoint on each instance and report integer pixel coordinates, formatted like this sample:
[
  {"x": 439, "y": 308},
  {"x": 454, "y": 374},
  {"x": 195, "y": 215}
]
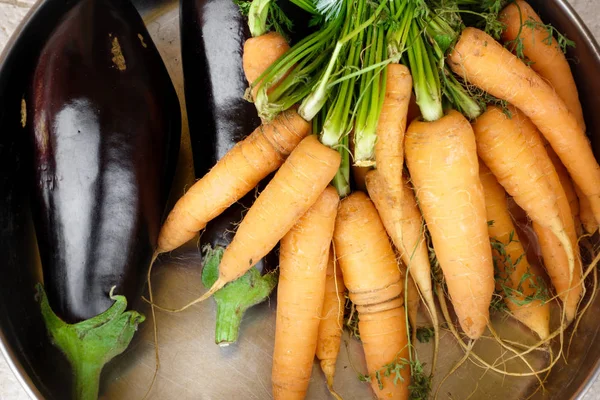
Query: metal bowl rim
[{"x": 25, "y": 380}]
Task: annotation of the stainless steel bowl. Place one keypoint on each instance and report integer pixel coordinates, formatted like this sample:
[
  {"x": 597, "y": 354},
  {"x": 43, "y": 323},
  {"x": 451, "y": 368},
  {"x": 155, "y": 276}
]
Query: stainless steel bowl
[{"x": 192, "y": 366}]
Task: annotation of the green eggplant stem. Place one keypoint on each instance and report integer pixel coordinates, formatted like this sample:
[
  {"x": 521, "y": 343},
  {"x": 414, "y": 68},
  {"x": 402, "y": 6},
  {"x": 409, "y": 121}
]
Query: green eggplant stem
[
  {"x": 236, "y": 297},
  {"x": 90, "y": 344},
  {"x": 229, "y": 318}
]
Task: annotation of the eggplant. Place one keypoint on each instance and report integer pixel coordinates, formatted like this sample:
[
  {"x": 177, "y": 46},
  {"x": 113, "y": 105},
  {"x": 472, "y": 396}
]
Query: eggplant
[
  {"x": 213, "y": 33},
  {"x": 105, "y": 123}
]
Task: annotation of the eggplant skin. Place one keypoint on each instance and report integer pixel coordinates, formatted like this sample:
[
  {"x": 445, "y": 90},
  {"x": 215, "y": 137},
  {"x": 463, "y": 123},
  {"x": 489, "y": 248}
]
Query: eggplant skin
[
  {"x": 213, "y": 33},
  {"x": 105, "y": 124}
]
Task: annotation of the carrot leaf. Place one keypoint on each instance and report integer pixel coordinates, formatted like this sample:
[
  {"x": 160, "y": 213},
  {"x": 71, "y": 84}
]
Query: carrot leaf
[
  {"x": 553, "y": 34},
  {"x": 424, "y": 334}
]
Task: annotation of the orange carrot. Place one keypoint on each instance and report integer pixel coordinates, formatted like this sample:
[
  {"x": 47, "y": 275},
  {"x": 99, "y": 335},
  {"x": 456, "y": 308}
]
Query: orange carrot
[
  {"x": 442, "y": 160},
  {"x": 371, "y": 274},
  {"x": 332, "y": 320},
  {"x": 555, "y": 258},
  {"x": 502, "y": 145},
  {"x": 238, "y": 172},
  {"x": 389, "y": 148},
  {"x": 482, "y": 61},
  {"x": 413, "y": 301},
  {"x": 259, "y": 53},
  {"x": 566, "y": 183},
  {"x": 303, "y": 257},
  {"x": 411, "y": 244},
  {"x": 548, "y": 60},
  {"x": 291, "y": 192},
  {"x": 515, "y": 279}
]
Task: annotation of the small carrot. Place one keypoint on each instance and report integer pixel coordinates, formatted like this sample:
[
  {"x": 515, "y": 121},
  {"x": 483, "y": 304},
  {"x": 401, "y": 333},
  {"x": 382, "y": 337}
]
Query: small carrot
[
  {"x": 389, "y": 148},
  {"x": 566, "y": 182},
  {"x": 548, "y": 60},
  {"x": 371, "y": 274},
  {"x": 555, "y": 258},
  {"x": 413, "y": 301},
  {"x": 234, "y": 175},
  {"x": 411, "y": 244},
  {"x": 332, "y": 320},
  {"x": 442, "y": 159},
  {"x": 291, "y": 192},
  {"x": 516, "y": 281},
  {"x": 482, "y": 61},
  {"x": 502, "y": 145},
  {"x": 260, "y": 53},
  {"x": 303, "y": 259}
]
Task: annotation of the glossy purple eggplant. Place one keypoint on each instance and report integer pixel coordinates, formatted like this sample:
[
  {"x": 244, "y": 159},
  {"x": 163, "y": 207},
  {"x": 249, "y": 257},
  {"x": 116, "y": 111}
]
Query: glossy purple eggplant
[{"x": 104, "y": 120}]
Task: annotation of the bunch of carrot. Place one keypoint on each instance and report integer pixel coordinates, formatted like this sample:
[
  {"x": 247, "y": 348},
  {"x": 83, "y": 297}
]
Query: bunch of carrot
[{"x": 353, "y": 80}]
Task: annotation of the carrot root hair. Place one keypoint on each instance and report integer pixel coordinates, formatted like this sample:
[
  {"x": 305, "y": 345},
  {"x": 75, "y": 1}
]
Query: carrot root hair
[
  {"x": 213, "y": 289},
  {"x": 154, "y": 324}
]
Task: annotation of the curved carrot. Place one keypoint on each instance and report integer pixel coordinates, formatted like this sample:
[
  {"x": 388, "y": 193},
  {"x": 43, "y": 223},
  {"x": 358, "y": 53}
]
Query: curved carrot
[
  {"x": 502, "y": 145},
  {"x": 332, "y": 321},
  {"x": 482, "y": 61},
  {"x": 411, "y": 244},
  {"x": 566, "y": 182},
  {"x": 303, "y": 258},
  {"x": 413, "y": 301},
  {"x": 522, "y": 23},
  {"x": 442, "y": 160},
  {"x": 234, "y": 175},
  {"x": 555, "y": 258},
  {"x": 371, "y": 274},
  {"x": 514, "y": 275},
  {"x": 260, "y": 53},
  {"x": 389, "y": 148}
]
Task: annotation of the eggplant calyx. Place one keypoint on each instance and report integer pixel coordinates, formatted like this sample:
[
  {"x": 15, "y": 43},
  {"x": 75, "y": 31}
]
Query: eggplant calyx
[
  {"x": 236, "y": 297},
  {"x": 90, "y": 344}
]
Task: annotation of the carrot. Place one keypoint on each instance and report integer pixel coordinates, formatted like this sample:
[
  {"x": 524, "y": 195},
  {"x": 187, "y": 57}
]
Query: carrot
[
  {"x": 503, "y": 145},
  {"x": 373, "y": 279},
  {"x": 442, "y": 160},
  {"x": 548, "y": 60},
  {"x": 411, "y": 244},
  {"x": 585, "y": 212},
  {"x": 515, "y": 279},
  {"x": 303, "y": 259},
  {"x": 332, "y": 320},
  {"x": 238, "y": 172},
  {"x": 555, "y": 258},
  {"x": 482, "y": 61},
  {"x": 260, "y": 53},
  {"x": 413, "y": 301},
  {"x": 566, "y": 183},
  {"x": 291, "y": 192},
  {"x": 389, "y": 148}
]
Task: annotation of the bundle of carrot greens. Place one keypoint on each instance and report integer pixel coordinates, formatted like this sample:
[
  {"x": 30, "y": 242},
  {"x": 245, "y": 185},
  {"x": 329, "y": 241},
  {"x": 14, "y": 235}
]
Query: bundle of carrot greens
[{"x": 495, "y": 122}]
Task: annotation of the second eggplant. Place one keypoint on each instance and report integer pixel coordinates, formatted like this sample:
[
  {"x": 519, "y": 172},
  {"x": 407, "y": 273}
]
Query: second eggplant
[{"x": 212, "y": 40}]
